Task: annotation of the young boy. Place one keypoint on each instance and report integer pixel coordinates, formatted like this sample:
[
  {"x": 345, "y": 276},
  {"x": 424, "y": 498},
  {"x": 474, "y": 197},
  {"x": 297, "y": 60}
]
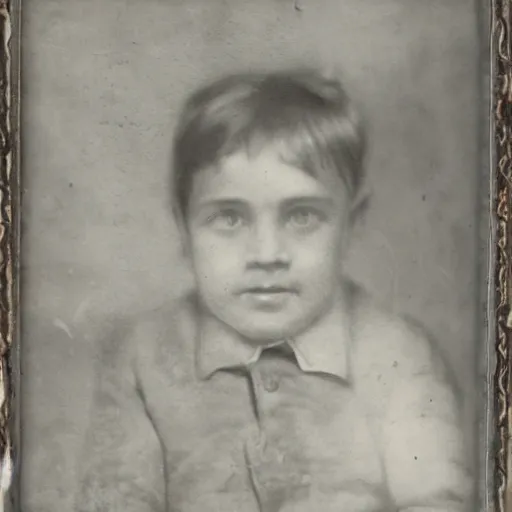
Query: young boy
[{"x": 276, "y": 385}]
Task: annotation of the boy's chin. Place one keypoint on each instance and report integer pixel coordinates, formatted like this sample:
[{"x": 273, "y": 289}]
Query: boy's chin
[{"x": 264, "y": 332}]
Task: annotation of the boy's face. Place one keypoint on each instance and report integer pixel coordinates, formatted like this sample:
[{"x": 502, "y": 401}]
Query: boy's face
[{"x": 266, "y": 241}]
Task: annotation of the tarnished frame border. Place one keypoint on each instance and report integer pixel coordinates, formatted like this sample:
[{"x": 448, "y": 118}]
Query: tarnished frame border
[
  {"x": 501, "y": 238},
  {"x": 10, "y": 209},
  {"x": 496, "y": 461}
]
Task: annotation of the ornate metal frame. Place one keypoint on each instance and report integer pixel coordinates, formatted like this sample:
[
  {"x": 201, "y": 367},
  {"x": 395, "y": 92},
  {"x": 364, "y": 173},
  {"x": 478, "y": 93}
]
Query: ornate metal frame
[{"x": 497, "y": 486}]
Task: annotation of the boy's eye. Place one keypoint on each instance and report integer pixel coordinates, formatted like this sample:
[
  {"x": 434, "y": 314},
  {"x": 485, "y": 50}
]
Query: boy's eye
[
  {"x": 226, "y": 219},
  {"x": 304, "y": 218}
]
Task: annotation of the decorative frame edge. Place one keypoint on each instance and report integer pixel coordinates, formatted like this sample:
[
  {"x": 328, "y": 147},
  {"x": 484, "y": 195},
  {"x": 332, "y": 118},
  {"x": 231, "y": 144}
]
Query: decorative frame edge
[
  {"x": 10, "y": 203},
  {"x": 501, "y": 129},
  {"x": 501, "y": 237}
]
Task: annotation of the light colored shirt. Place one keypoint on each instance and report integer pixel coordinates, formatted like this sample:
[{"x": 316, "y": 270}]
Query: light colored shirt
[{"x": 355, "y": 415}]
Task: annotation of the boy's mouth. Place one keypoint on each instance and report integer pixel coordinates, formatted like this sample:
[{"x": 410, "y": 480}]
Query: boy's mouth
[
  {"x": 268, "y": 298},
  {"x": 268, "y": 290}
]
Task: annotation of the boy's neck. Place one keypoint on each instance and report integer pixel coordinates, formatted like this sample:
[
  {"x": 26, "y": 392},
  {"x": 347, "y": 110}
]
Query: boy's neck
[{"x": 322, "y": 347}]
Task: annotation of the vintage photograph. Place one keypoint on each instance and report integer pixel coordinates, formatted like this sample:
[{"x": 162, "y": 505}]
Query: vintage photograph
[{"x": 255, "y": 256}]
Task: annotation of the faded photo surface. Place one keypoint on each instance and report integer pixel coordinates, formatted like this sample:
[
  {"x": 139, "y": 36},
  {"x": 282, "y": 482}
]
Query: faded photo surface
[{"x": 251, "y": 253}]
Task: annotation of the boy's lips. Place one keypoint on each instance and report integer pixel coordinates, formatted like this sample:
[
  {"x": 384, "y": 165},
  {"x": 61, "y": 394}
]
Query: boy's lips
[
  {"x": 268, "y": 297},
  {"x": 268, "y": 290}
]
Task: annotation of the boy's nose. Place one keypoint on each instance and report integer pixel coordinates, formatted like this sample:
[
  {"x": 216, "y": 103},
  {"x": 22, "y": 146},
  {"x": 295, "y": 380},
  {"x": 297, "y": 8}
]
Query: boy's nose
[{"x": 268, "y": 248}]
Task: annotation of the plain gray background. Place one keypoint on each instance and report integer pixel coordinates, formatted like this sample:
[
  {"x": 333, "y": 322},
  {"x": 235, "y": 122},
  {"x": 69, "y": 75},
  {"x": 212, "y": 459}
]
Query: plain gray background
[{"x": 102, "y": 82}]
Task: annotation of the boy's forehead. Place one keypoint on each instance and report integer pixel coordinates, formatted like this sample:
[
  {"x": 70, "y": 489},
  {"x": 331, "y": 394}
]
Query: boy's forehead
[{"x": 265, "y": 173}]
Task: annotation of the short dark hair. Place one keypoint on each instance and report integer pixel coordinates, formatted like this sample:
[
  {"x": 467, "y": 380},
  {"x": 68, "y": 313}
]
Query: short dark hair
[{"x": 305, "y": 113}]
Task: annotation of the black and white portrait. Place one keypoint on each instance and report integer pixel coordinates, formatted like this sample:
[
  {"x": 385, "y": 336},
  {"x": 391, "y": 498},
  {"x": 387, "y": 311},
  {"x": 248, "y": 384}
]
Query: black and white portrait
[{"x": 252, "y": 266}]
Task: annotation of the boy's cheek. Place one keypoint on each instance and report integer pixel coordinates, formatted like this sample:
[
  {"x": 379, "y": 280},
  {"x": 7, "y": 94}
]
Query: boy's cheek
[
  {"x": 317, "y": 253},
  {"x": 215, "y": 259},
  {"x": 209, "y": 244},
  {"x": 327, "y": 250}
]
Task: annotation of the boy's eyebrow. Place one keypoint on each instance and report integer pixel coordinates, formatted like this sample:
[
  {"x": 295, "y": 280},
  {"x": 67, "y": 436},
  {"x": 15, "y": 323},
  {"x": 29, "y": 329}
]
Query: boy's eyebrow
[
  {"x": 318, "y": 200},
  {"x": 221, "y": 201}
]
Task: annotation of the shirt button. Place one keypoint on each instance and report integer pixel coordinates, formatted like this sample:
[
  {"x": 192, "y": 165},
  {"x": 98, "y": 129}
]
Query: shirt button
[{"x": 271, "y": 384}]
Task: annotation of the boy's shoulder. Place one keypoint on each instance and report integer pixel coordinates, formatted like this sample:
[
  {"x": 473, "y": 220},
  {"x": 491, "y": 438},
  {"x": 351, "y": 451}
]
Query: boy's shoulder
[
  {"x": 147, "y": 333},
  {"x": 170, "y": 318},
  {"x": 386, "y": 342}
]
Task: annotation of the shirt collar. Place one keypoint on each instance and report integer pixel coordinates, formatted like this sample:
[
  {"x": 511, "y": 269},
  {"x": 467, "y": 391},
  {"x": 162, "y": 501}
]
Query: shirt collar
[{"x": 323, "y": 347}]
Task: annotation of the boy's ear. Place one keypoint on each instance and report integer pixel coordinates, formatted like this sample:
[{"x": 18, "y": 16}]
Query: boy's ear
[
  {"x": 182, "y": 233},
  {"x": 360, "y": 206},
  {"x": 184, "y": 242}
]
